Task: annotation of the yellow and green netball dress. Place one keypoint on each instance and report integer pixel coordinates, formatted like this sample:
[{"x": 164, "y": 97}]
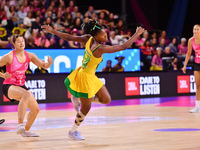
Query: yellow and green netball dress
[{"x": 83, "y": 82}]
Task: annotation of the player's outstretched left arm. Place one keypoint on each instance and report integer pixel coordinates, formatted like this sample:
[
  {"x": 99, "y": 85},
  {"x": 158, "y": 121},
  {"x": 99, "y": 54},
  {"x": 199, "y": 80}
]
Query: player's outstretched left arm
[
  {"x": 40, "y": 63},
  {"x": 127, "y": 44}
]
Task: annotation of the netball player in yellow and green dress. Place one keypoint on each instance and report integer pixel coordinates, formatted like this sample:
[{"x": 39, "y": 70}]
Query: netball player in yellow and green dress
[{"x": 82, "y": 83}]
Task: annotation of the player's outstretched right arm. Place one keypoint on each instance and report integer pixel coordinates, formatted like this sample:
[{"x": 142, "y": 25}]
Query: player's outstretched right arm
[
  {"x": 127, "y": 44},
  {"x": 66, "y": 36},
  {"x": 40, "y": 63}
]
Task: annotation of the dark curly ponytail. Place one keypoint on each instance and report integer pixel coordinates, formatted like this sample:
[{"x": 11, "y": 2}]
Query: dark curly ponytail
[{"x": 92, "y": 27}]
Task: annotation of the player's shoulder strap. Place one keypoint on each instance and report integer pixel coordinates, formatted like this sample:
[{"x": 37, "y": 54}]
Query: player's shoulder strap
[{"x": 96, "y": 48}]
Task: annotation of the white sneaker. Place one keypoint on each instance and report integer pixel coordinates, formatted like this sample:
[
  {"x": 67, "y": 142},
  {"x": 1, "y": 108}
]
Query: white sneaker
[
  {"x": 75, "y": 103},
  {"x": 195, "y": 110},
  {"x": 20, "y": 129},
  {"x": 75, "y": 135},
  {"x": 30, "y": 134}
]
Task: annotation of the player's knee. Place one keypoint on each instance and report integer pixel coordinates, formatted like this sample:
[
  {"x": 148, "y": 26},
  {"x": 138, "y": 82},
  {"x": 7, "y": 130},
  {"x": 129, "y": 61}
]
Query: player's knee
[
  {"x": 107, "y": 99},
  {"x": 36, "y": 110},
  {"x": 26, "y": 96}
]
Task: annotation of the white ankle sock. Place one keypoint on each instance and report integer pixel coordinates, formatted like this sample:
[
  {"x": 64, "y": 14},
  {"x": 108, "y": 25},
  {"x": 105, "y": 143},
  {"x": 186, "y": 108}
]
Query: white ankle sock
[
  {"x": 21, "y": 124},
  {"x": 74, "y": 127},
  {"x": 197, "y": 103}
]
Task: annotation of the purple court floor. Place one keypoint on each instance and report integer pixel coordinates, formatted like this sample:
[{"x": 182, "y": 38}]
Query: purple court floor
[
  {"x": 181, "y": 101},
  {"x": 61, "y": 122}
]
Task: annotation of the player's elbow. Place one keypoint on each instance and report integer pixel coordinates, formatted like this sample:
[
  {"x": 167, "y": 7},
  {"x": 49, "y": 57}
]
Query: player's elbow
[
  {"x": 124, "y": 46},
  {"x": 69, "y": 37}
]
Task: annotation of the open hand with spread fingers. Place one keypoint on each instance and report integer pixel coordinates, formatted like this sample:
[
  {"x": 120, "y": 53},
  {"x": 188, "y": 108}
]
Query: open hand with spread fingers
[
  {"x": 140, "y": 30},
  {"x": 47, "y": 28}
]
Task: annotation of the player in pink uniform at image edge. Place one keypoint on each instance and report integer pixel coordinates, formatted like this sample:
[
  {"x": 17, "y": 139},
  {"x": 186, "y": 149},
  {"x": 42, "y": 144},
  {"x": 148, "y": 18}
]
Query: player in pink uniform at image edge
[
  {"x": 194, "y": 42},
  {"x": 17, "y": 62}
]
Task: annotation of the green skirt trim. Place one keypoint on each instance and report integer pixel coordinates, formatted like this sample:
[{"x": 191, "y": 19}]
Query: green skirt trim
[{"x": 74, "y": 93}]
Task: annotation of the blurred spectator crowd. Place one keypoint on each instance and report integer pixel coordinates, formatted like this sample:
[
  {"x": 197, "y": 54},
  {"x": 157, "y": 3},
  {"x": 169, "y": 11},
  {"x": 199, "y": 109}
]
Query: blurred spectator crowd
[{"x": 25, "y": 17}]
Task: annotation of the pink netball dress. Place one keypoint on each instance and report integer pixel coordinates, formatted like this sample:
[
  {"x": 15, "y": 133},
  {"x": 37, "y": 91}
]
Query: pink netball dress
[
  {"x": 197, "y": 51},
  {"x": 17, "y": 70}
]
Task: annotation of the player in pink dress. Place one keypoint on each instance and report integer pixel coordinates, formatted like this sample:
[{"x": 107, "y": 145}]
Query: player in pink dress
[
  {"x": 194, "y": 42},
  {"x": 17, "y": 62}
]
